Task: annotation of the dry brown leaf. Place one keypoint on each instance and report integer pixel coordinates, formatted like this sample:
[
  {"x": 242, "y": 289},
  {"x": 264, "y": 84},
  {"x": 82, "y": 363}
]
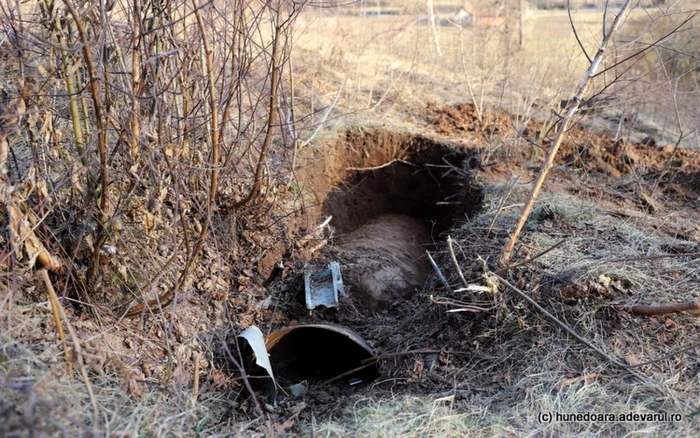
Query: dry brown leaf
[
  {"x": 121, "y": 269},
  {"x": 4, "y": 152},
  {"x": 34, "y": 182},
  {"x": 76, "y": 180},
  {"x": 162, "y": 194},
  {"x": 169, "y": 150},
  {"x": 22, "y": 236},
  {"x": 149, "y": 221}
]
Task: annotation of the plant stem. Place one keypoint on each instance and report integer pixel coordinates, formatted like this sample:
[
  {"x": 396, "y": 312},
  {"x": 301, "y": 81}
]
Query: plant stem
[
  {"x": 101, "y": 141},
  {"x": 272, "y": 115},
  {"x": 564, "y": 126}
]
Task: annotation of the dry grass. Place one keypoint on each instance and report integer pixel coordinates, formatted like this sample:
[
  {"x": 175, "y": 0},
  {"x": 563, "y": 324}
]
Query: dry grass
[
  {"x": 39, "y": 396},
  {"x": 524, "y": 366},
  {"x": 537, "y": 391}
]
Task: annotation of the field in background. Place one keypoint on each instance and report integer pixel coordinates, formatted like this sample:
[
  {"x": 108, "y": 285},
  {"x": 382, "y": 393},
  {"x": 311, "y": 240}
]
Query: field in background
[{"x": 390, "y": 65}]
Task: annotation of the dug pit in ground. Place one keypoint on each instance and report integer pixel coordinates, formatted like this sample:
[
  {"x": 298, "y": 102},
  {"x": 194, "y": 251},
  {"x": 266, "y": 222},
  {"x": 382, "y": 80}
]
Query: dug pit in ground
[{"x": 392, "y": 197}]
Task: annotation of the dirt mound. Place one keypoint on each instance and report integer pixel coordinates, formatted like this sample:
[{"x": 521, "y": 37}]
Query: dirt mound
[
  {"x": 385, "y": 258},
  {"x": 596, "y": 151},
  {"x": 615, "y": 157},
  {"x": 465, "y": 117}
]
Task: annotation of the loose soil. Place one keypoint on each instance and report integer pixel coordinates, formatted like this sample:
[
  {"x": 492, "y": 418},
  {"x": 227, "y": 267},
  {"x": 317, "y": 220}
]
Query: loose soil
[{"x": 598, "y": 152}]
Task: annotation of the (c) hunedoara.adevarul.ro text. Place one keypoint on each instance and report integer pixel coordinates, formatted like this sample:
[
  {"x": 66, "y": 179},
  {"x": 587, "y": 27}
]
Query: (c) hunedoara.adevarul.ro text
[{"x": 565, "y": 417}]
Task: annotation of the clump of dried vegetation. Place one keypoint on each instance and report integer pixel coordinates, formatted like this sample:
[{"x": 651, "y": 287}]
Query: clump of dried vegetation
[
  {"x": 155, "y": 160},
  {"x": 131, "y": 134}
]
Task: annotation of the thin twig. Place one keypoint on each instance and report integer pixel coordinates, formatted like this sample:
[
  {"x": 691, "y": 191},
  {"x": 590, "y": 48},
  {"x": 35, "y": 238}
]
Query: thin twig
[
  {"x": 59, "y": 326},
  {"x": 564, "y": 126},
  {"x": 104, "y": 202},
  {"x": 681, "y": 134},
  {"x": 414, "y": 352},
  {"x": 238, "y": 363},
  {"x": 573, "y": 28},
  {"x": 43, "y": 273},
  {"x": 523, "y": 263},
  {"x": 324, "y": 118},
  {"x": 156, "y": 303},
  {"x": 555, "y": 320},
  {"x": 454, "y": 261},
  {"x": 584, "y": 341},
  {"x": 531, "y": 259},
  {"x": 275, "y": 67},
  {"x": 437, "y": 270},
  {"x": 348, "y": 373},
  {"x": 195, "y": 386},
  {"x": 664, "y": 309},
  {"x": 502, "y": 204},
  {"x": 168, "y": 296},
  {"x": 381, "y": 166},
  {"x": 464, "y": 307},
  {"x": 366, "y": 363},
  {"x": 651, "y": 257}
]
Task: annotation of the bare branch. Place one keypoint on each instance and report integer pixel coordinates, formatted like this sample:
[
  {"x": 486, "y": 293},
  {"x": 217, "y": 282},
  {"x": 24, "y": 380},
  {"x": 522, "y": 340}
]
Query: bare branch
[{"x": 561, "y": 131}]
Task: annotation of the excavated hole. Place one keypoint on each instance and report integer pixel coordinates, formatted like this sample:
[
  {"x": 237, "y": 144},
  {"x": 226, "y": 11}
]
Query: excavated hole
[
  {"x": 398, "y": 195},
  {"x": 432, "y": 185}
]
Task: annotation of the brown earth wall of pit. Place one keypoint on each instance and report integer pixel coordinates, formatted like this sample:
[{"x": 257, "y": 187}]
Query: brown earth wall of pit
[
  {"x": 370, "y": 173},
  {"x": 391, "y": 196}
]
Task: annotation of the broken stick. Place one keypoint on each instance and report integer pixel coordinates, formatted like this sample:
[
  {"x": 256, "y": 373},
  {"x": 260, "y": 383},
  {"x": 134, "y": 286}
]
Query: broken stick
[{"x": 663, "y": 309}]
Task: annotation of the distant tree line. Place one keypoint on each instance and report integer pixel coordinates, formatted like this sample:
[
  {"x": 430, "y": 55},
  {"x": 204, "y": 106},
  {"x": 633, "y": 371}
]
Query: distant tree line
[{"x": 586, "y": 4}]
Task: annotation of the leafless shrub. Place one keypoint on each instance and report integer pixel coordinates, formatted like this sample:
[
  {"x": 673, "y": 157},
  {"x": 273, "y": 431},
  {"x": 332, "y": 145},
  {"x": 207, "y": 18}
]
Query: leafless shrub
[
  {"x": 612, "y": 70},
  {"x": 151, "y": 113}
]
